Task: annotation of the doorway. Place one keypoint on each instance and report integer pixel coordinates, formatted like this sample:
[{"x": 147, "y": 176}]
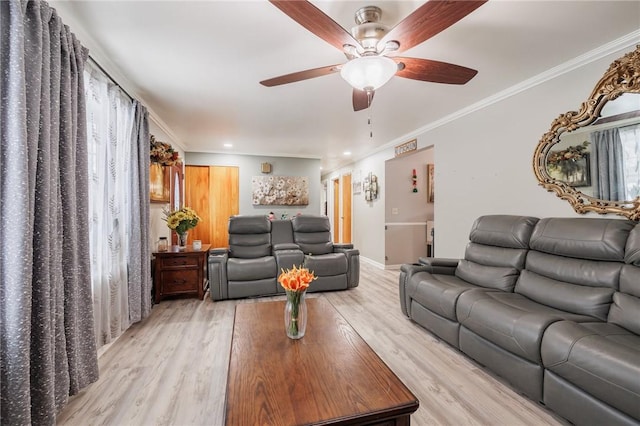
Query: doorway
[
  {"x": 342, "y": 201},
  {"x": 336, "y": 210},
  {"x": 409, "y": 211}
]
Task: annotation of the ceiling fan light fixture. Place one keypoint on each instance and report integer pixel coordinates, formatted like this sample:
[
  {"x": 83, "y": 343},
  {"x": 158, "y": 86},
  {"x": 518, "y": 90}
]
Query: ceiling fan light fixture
[{"x": 368, "y": 72}]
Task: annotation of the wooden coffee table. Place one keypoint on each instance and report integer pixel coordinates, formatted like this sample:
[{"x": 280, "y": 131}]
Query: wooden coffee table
[{"x": 330, "y": 376}]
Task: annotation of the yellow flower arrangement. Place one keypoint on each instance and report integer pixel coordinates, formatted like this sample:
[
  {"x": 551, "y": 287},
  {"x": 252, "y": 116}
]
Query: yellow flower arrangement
[{"x": 181, "y": 220}]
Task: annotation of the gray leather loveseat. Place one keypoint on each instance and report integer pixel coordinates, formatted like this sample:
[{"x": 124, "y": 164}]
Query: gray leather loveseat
[
  {"x": 551, "y": 305},
  {"x": 259, "y": 249}
]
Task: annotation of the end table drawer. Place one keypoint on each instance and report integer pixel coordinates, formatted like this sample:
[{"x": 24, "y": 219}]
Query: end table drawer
[
  {"x": 179, "y": 281},
  {"x": 179, "y": 261}
]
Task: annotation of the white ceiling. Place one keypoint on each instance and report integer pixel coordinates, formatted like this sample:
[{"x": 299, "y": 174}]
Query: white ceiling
[{"x": 196, "y": 65}]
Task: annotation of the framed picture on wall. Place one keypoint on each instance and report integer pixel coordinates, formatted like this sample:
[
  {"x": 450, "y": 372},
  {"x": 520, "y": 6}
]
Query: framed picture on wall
[{"x": 430, "y": 183}]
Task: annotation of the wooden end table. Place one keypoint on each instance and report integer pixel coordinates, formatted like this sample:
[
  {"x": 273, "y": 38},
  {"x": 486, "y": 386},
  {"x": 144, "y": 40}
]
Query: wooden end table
[
  {"x": 329, "y": 377},
  {"x": 180, "y": 271}
]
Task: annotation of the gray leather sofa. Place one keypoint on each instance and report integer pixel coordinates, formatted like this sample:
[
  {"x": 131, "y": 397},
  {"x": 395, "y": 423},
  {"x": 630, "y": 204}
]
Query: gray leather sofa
[
  {"x": 551, "y": 305},
  {"x": 259, "y": 249}
]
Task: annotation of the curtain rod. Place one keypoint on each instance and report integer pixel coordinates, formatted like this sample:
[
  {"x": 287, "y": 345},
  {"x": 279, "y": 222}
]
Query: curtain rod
[{"x": 113, "y": 80}]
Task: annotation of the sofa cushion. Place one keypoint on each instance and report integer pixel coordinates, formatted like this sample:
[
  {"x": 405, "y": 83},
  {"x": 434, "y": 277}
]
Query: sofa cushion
[
  {"x": 632, "y": 250},
  {"x": 249, "y": 246},
  {"x": 281, "y": 232},
  {"x": 509, "y": 320},
  {"x": 438, "y": 293},
  {"x": 496, "y": 251},
  {"x": 487, "y": 276},
  {"x": 574, "y": 298},
  {"x": 251, "y": 269},
  {"x": 503, "y": 231},
  {"x": 257, "y": 224},
  {"x": 589, "y": 273},
  {"x": 496, "y": 256},
  {"x": 312, "y": 234},
  {"x": 327, "y": 264},
  {"x": 625, "y": 310},
  {"x": 583, "y": 238},
  {"x": 630, "y": 280},
  {"x": 600, "y": 358},
  {"x": 249, "y": 236}
]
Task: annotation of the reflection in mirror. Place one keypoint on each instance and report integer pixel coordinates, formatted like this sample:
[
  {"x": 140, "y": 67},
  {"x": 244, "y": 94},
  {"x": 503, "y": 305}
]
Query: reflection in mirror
[
  {"x": 177, "y": 201},
  {"x": 602, "y": 159},
  {"x": 591, "y": 157}
]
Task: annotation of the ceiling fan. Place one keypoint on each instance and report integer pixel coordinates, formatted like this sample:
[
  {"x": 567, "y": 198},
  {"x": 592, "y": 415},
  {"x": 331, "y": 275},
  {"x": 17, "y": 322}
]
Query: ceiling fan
[{"x": 370, "y": 46}]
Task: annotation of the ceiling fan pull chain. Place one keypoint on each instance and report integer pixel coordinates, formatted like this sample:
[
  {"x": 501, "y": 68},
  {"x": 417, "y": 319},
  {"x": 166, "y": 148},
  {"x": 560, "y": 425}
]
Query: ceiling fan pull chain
[{"x": 369, "y": 98}]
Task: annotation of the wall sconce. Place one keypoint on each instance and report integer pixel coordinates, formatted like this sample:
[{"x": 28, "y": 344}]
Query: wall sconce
[{"x": 265, "y": 167}]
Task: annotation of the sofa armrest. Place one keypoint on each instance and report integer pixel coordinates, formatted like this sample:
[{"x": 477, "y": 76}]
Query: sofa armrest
[
  {"x": 218, "y": 251},
  {"x": 286, "y": 258},
  {"x": 218, "y": 285},
  {"x": 353, "y": 262},
  {"x": 285, "y": 246},
  {"x": 406, "y": 272},
  {"x": 342, "y": 246}
]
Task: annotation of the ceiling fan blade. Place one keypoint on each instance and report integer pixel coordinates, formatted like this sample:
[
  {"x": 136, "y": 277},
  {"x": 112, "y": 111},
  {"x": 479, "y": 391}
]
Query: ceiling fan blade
[
  {"x": 361, "y": 99},
  {"x": 316, "y": 21},
  {"x": 433, "y": 71},
  {"x": 301, "y": 75},
  {"x": 428, "y": 20}
]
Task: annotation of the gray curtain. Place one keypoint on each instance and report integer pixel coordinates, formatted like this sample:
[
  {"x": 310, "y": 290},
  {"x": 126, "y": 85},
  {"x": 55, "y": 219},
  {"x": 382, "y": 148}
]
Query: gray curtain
[
  {"x": 139, "y": 250},
  {"x": 47, "y": 337},
  {"x": 606, "y": 147}
]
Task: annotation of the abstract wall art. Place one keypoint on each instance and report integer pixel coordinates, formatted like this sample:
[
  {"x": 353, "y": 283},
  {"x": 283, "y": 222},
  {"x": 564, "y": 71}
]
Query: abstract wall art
[{"x": 280, "y": 190}]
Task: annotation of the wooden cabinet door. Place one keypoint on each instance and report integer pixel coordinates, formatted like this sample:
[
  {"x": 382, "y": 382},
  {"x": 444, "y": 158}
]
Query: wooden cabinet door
[
  {"x": 224, "y": 197},
  {"x": 213, "y": 192},
  {"x": 196, "y": 196}
]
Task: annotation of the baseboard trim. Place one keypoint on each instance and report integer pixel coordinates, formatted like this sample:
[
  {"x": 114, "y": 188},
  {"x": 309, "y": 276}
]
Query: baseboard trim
[{"x": 372, "y": 262}]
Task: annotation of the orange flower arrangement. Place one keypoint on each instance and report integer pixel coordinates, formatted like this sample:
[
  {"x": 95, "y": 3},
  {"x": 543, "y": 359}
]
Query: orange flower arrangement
[
  {"x": 295, "y": 282},
  {"x": 296, "y": 279}
]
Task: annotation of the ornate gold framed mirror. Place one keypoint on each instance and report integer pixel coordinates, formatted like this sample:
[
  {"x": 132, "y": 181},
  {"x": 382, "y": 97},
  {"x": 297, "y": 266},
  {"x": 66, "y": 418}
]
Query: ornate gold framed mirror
[{"x": 591, "y": 157}]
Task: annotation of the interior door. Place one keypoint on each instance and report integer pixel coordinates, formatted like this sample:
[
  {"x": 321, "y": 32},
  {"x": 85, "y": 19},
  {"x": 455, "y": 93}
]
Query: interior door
[
  {"x": 196, "y": 183},
  {"x": 224, "y": 196},
  {"x": 213, "y": 192},
  {"x": 346, "y": 209},
  {"x": 336, "y": 210}
]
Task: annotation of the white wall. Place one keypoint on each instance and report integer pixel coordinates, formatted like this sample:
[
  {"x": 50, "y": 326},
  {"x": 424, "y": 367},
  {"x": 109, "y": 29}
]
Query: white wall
[
  {"x": 484, "y": 163},
  {"x": 249, "y": 166},
  {"x": 485, "y": 159}
]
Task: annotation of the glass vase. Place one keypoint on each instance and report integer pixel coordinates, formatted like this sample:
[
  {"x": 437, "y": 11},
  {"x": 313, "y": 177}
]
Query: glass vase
[
  {"x": 182, "y": 238},
  {"x": 295, "y": 314}
]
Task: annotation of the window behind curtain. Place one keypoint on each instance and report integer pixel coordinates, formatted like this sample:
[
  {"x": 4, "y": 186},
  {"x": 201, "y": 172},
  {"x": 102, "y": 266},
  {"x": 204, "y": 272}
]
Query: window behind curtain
[
  {"x": 630, "y": 137},
  {"x": 110, "y": 115}
]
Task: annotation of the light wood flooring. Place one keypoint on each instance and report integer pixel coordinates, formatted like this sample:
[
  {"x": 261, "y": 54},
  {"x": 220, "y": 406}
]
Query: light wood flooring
[{"x": 171, "y": 369}]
